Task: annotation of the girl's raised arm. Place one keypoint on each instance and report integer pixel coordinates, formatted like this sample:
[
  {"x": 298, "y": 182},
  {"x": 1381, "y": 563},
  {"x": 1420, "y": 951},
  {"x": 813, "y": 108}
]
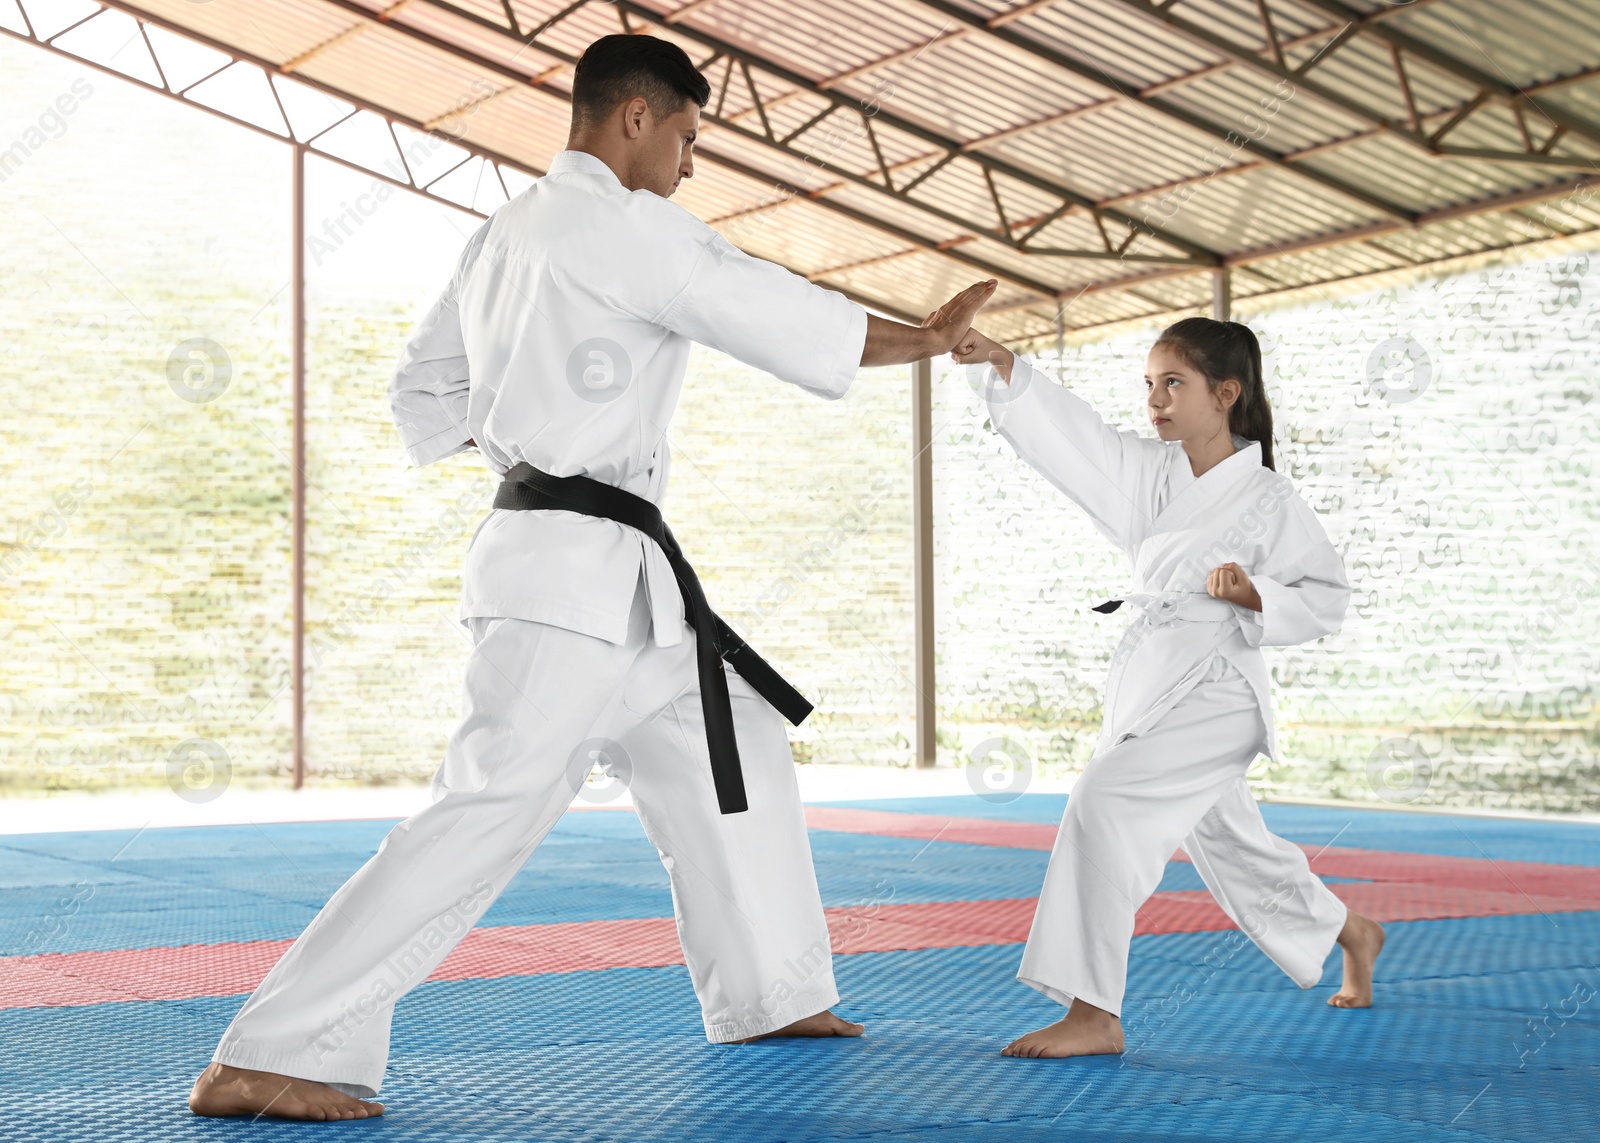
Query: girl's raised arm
[{"x": 1111, "y": 475}]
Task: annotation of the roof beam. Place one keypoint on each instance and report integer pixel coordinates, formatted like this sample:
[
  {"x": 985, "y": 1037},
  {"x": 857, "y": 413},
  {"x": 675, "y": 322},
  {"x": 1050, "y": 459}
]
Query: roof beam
[
  {"x": 494, "y": 157},
  {"x": 1532, "y": 158},
  {"x": 237, "y": 56},
  {"x": 1170, "y": 110},
  {"x": 1196, "y": 252},
  {"x": 1454, "y": 116},
  {"x": 1282, "y": 161},
  {"x": 1289, "y": 44},
  {"x": 1335, "y": 35},
  {"x": 1403, "y": 219},
  {"x": 991, "y": 269},
  {"x": 1276, "y": 68},
  {"x": 861, "y": 263},
  {"x": 1510, "y": 200},
  {"x": 1034, "y": 225},
  {"x": 931, "y": 245},
  {"x": 1500, "y": 89}
]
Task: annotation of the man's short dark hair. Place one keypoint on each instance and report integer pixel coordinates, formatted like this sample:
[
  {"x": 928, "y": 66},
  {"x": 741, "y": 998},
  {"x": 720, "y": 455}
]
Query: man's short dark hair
[{"x": 615, "y": 69}]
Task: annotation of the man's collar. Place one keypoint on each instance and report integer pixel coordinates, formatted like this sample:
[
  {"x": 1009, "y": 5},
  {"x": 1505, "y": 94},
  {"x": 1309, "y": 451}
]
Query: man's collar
[{"x": 581, "y": 161}]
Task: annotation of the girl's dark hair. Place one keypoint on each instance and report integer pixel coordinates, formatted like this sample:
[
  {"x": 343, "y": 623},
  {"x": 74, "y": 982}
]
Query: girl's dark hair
[
  {"x": 1224, "y": 349},
  {"x": 617, "y": 68}
]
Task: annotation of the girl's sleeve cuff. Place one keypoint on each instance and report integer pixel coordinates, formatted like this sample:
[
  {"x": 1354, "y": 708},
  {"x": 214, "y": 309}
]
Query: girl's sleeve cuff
[{"x": 1253, "y": 623}]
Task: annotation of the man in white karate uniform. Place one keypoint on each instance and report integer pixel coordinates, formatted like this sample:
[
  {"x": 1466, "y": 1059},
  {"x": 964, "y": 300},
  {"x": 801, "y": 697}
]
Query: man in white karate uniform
[{"x": 558, "y": 350}]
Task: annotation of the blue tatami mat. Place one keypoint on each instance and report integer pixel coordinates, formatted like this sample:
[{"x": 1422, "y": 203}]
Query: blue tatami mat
[{"x": 1484, "y": 1028}]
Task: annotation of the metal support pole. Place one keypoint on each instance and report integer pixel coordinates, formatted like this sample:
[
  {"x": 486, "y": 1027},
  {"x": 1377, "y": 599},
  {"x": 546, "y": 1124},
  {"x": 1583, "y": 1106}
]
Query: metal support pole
[
  {"x": 922, "y": 558},
  {"x": 297, "y": 335},
  {"x": 1221, "y": 293}
]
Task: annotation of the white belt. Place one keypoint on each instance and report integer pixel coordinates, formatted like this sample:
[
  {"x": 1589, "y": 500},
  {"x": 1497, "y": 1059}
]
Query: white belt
[{"x": 1162, "y": 607}]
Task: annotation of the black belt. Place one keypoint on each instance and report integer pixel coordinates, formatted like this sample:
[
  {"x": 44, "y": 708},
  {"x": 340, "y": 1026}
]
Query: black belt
[{"x": 526, "y": 488}]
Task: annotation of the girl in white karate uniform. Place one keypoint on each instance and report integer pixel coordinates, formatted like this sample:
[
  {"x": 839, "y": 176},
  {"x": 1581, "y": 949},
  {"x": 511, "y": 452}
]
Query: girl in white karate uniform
[{"x": 1226, "y": 559}]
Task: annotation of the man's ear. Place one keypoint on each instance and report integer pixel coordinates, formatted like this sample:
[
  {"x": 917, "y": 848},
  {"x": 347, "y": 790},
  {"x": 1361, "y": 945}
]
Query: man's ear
[{"x": 633, "y": 113}]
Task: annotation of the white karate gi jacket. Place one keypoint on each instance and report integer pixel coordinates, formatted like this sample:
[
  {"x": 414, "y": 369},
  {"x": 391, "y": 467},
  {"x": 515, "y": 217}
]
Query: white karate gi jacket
[
  {"x": 562, "y": 340},
  {"x": 1175, "y": 528}
]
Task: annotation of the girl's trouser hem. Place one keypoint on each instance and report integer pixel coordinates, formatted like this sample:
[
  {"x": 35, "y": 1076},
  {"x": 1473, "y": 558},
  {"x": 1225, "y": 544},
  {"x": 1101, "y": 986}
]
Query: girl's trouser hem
[{"x": 1065, "y": 998}]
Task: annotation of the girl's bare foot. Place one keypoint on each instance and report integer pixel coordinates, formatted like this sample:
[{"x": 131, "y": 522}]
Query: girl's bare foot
[
  {"x": 822, "y": 1024},
  {"x": 1084, "y": 1031},
  {"x": 223, "y": 1090},
  {"x": 1362, "y": 940}
]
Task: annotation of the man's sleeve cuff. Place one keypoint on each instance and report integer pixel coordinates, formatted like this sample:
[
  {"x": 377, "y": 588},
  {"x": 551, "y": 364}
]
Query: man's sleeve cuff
[
  {"x": 851, "y": 343},
  {"x": 436, "y": 447}
]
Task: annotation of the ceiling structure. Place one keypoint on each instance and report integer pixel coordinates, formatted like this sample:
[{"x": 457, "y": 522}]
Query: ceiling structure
[{"x": 1106, "y": 160}]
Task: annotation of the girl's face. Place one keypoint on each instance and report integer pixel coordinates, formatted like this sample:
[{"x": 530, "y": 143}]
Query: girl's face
[{"x": 1180, "y": 403}]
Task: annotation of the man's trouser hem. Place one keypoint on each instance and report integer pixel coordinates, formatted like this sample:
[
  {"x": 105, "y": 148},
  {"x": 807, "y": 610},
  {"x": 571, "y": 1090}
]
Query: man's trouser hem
[
  {"x": 799, "y": 1008},
  {"x": 352, "y": 1078}
]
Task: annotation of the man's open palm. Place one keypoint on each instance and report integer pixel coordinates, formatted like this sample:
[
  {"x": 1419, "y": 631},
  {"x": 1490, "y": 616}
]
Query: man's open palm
[{"x": 954, "y": 318}]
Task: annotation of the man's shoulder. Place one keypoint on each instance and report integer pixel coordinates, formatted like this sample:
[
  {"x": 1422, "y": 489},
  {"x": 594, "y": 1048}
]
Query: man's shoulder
[
  {"x": 653, "y": 214},
  {"x": 642, "y": 220}
]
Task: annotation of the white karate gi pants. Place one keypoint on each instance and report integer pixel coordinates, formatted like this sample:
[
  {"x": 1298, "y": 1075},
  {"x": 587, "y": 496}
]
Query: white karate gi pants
[
  {"x": 749, "y": 914},
  {"x": 1181, "y": 781}
]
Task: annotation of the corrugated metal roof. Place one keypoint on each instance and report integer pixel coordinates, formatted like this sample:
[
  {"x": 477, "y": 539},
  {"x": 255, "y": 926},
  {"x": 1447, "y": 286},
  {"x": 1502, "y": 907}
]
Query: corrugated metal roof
[{"x": 1103, "y": 158}]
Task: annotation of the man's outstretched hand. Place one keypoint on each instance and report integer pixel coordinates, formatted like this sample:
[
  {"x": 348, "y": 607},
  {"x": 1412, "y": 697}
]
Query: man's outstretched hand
[
  {"x": 891, "y": 343},
  {"x": 951, "y": 321}
]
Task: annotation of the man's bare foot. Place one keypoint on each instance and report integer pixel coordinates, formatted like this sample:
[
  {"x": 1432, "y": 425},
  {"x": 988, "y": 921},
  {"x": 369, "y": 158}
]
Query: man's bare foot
[
  {"x": 822, "y": 1024},
  {"x": 1084, "y": 1031},
  {"x": 223, "y": 1090},
  {"x": 1362, "y": 940}
]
